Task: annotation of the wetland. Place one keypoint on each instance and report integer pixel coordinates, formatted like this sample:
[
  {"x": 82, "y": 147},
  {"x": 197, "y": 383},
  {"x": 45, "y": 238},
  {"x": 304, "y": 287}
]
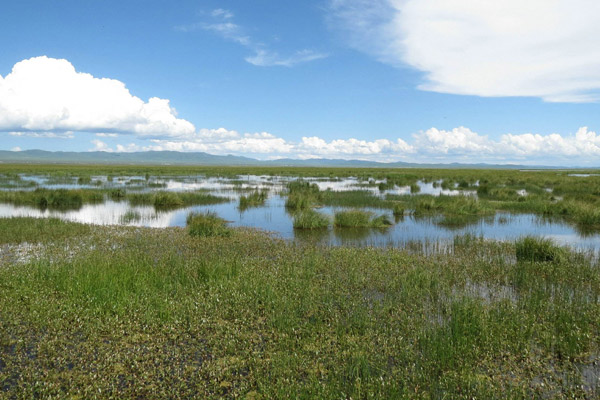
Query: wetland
[{"x": 207, "y": 282}]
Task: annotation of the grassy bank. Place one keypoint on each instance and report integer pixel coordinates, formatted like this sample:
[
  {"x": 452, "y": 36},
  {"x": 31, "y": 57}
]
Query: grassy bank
[{"x": 157, "y": 313}]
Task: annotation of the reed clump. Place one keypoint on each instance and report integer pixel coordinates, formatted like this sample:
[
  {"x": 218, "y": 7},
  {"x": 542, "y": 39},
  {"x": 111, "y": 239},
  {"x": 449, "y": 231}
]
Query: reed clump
[
  {"x": 310, "y": 219},
  {"x": 360, "y": 219},
  {"x": 255, "y": 199},
  {"x": 207, "y": 225},
  {"x": 534, "y": 249}
]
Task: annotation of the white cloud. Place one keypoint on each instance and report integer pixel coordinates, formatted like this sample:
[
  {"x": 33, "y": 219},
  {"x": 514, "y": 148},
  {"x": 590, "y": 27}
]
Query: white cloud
[
  {"x": 585, "y": 143},
  {"x": 99, "y": 145},
  {"x": 111, "y": 135},
  {"x": 47, "y": 94},
  {"x": 538, "y": 48},
  {"x": 222, "y": 141},
  {"x": 52, "y": 135},
  {"x": 457, "y": 141},
  {"x": 382, "y": 147},
  {"x": 222, "y": 24},
  {"x": 432, "y": 145},
  {"x": 264, "y": 58},
  {"x": 220, "y": 12},
  {"x": 462, "y": 144},
  {"x": 17, "y": 148}
]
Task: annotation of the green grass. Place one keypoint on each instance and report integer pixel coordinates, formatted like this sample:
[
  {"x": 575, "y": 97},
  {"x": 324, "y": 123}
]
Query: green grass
[
  {"x": 157, "y": 313},
  {"x": 310, "y": 219},
  {"x": 131, "y": 216},
  {"x": 167, "y": 200},
  {"x": 302, "y": 195},
  {"x": 353, "y": 198},
  {"x": 398, "y": 210},
  {"x": 360, "y": 219},
  {"x": 256, "y": 198},
  {"x": 535, "y": 249},
  {"x": 34, "y": 230},
  {"x": 207, "y": 224},
  {"x": 52, "y": 198}
]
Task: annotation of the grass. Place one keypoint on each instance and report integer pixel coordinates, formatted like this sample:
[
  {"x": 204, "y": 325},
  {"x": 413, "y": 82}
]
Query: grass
[
  {"x": 206, "y": 225},
  {"x": 167, "y": 200},
  {"x": 310, "y": 219},
  {"x": 398, "y": 210},
  {"x": 536, "y": 249},
  {"x": 256, "y": 198},
  {"x": 302, "y": 195},
  {"x": 157, "y": 313},
  {"x": 52, "y": 198},
  {"x": 360, "y": 219},
  {"x": 131, "y": 216},
  {"x": 353, "y": 198},
  {"x": 35, "y": 230}
]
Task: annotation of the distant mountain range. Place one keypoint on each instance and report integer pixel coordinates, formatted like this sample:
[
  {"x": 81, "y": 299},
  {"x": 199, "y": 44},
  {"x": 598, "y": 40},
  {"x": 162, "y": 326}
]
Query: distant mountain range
[{"x": 199, "y": 158}]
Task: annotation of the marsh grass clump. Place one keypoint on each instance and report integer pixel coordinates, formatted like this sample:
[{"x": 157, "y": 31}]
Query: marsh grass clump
[
  {"x": 131, "y": 216},
  {"x": 302, "y": 195},
  {"x": 459, "y": 205},
  {"x": 310, "y": 219},
  {"x": 535, "y": 249},
  {"x": 166, "y": 200},
  {"x": 360, "y": 219},
  {"x": 84, "y": 180},
  {"x": 398, "y": 210},
  {"x": 117, "y": 194},
  {"x": 353, "y": 198},
  {"x": 207, "y": 224},
  {"x": 381, "y": 221},
  {"x": 255, "y": 199}
]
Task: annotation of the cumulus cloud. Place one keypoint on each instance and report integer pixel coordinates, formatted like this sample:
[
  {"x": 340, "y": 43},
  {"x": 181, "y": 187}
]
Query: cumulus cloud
[
  {"x": 539, "y": 48},
  {"x": 335, "y": 148},
  {"x": 457, "y": 141},
  {"x": 223, "y": 141},
  {"x": 463, "y": 144},
  {"x": 99, "y": 145},
  {"x": 46, "y": 94},
  {"x": 222, "y": 23}
]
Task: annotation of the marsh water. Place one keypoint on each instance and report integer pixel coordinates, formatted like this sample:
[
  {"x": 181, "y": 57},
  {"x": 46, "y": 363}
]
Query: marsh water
[{"x": 273, "y": 216}]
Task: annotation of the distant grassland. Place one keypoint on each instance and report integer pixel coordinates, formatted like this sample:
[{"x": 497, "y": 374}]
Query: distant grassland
[{"x": 122, "y": 312}]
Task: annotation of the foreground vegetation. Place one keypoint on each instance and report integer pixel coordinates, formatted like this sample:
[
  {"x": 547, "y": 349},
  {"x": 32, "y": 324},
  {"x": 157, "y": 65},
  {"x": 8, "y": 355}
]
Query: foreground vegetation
[{"x": 122, "y": 312}]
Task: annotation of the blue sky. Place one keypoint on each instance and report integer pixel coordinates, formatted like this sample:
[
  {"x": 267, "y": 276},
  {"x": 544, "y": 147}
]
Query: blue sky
[{"x": 388, "y": 80}]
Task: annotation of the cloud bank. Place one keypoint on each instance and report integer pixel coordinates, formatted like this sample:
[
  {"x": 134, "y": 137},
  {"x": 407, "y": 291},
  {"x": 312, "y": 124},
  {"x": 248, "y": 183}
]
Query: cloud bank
[
  {"x": 539, "y": 48},
  {"x": 431, "y": 145}
]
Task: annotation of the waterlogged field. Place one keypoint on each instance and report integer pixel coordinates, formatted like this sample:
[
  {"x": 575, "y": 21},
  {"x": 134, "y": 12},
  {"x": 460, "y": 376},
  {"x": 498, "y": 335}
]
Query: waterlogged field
[
  {"x": 137, "y": 282},
  {"x": 428, "y": 207}
]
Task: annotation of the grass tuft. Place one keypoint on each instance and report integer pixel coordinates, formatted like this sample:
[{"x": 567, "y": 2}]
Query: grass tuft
[
  {"x": 207, "y": 224},
  {"x": 360, "y": 219},
  {"x": 538, "y": 250},
  {"x": 310, "y": 219}
]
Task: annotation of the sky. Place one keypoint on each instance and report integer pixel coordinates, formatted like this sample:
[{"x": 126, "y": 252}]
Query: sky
[{"x": 442, "y": 81}]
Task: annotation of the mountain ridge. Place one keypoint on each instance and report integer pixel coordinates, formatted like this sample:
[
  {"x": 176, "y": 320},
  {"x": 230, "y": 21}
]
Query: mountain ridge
[{"x": 201, "y": 158}]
